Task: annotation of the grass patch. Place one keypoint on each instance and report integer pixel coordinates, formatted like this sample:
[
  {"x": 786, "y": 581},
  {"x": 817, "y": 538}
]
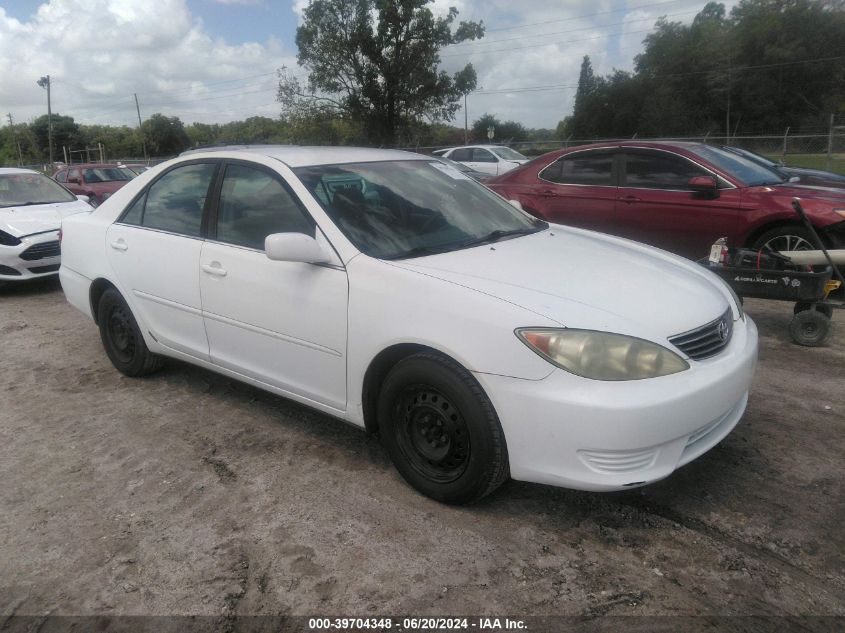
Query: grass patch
[{"x": 814, "y": 161}]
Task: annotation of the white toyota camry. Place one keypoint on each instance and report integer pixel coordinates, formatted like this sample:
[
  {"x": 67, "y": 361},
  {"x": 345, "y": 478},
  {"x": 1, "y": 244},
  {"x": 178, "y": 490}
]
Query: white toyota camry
[
  {"x": 31, "y": 210},
  {"x": 391, "y": 291}
]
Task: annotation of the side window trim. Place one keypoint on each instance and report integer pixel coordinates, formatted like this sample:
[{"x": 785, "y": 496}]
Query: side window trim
[
  {"x": 654, "y": 151},
  {"x": 216, "y": 162},
  {"x": 213, "y": 212},
  {"x": 615, "y": 173}
]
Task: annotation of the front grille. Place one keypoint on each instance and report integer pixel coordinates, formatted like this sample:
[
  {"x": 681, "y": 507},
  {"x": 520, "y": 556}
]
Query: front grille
[
  {"x": 38, "y": 270},
  {"x": 41, "y": 251},
  {"x": 707, "y": 340},
  {"x": 6, "y": 270}
]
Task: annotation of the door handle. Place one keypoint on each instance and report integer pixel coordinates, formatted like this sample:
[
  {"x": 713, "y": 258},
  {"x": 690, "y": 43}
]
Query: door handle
[
  {"x": 629, "y": 199},
  {"x": 216, "y": 270},
  {"x": 119, "y": 245},
  {"x": 548, "y": 192}
]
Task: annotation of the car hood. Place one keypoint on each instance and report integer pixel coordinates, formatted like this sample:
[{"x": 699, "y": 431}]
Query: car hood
[
  {"x": 799, "y": 190},
  {"x": 110, "y": 186},
  {"x": 583, "y": 279},
  {"x": 816, "y": 174},
  {"x": 38, "y": 218}
]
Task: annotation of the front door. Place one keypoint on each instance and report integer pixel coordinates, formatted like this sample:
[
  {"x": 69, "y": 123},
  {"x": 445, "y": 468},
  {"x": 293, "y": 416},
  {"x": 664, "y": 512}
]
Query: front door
[
  {"x": 656, "y": 205},
  {"x": 282, "y": 323}
]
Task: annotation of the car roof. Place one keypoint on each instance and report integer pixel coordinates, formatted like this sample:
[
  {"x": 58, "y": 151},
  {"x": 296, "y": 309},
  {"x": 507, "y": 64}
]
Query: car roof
[
  {"x": 88, "y": 165},
  {"x": 296, "y": 156},
  {"x": 16, "y": 170},
  {"x": 478, "y": 147}
]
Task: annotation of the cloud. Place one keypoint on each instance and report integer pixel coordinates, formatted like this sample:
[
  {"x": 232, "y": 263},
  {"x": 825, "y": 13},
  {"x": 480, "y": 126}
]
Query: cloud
[{"x": 100, "y": 52}]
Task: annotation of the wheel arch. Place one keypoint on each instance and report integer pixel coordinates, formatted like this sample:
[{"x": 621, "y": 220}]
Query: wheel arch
[
  {"x": 754, "y": 235},
  {"x": 377, "y": 371},
  {"x": 98, "y": 287}
]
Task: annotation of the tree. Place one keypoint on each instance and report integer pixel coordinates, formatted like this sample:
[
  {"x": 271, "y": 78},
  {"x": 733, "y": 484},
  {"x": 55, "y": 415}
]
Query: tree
[
  {"x": 65, "y": 133},
  {"x": 502, "y": 130},
  {"x": 165, "y": 136},
  {"x": 375, "y": 62}
]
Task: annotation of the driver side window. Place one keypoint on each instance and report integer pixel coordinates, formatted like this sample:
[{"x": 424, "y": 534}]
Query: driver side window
[{"x": 660, "y": 170}]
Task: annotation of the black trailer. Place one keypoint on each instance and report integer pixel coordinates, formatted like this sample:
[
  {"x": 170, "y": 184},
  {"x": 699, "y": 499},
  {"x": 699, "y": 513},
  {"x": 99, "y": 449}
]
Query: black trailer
[{"x": 817, "y": 292}]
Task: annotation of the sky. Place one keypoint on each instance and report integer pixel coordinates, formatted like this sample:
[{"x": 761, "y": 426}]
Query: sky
[{"x": 214, "y": 61}]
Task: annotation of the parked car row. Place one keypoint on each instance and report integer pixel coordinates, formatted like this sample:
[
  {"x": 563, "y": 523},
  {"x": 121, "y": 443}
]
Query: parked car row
[{"x": 481, "y": 336}]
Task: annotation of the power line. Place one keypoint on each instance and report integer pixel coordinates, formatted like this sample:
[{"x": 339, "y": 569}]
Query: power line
[
  {"x": 578, "y": 30},
  {"x": 579, "y": 17}
]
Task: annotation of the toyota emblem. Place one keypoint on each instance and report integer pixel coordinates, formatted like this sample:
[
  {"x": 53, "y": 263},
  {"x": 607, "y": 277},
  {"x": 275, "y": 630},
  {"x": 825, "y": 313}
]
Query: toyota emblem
[{"x": 722, "y": 329}]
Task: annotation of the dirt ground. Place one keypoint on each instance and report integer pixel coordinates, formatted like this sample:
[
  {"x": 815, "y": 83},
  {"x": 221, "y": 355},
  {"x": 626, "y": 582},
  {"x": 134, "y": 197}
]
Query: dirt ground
[{"x": 188, "y": 493}]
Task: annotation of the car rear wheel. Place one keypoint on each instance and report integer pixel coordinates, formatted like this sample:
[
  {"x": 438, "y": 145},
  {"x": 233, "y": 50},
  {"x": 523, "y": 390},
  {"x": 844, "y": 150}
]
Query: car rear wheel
[
  {"x": 122, "y": 339},
  {"x": 441, "y": 430}
]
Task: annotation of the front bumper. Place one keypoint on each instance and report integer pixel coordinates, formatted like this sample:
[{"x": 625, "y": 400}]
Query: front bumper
[
  {"x": 594, "y": 435},
  {"x": 36, "y": 256}
]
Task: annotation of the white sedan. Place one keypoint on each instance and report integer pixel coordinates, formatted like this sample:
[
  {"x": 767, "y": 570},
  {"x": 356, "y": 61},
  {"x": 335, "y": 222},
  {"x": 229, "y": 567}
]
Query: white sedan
[
  {"x": 32, "y": 207},
  {"x": 487, "y": 159},
  {"x": 393, "y": 292}
]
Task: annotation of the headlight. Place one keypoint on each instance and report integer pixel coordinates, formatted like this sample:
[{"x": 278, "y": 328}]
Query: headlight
[{"x": 602, "y": 355}]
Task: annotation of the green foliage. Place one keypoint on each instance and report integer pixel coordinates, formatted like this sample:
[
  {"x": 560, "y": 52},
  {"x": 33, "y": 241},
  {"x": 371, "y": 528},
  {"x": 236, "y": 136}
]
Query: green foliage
[
  {"x": 375, "y": 64},
  {"x": 503, "y": 131},
  {"x": 65, "y": 133},
  {"x": 693, "y": 79},
  {"x": 165, "y": 136}
]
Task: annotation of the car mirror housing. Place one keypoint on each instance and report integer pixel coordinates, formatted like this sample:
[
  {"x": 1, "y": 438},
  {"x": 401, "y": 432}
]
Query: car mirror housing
[
  {"x": 295, "y": 247},
  {"x": 703, "y": 185}
]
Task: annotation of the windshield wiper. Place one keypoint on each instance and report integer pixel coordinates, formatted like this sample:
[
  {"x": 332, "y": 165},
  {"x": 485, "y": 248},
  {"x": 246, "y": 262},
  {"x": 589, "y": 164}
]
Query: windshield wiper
[
  {"x": 499, "y": 234},
  {"x": 422, "y": 250}
]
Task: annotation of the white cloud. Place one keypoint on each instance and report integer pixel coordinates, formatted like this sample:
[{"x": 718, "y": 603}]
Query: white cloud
[{"x": 100, "y": 52}]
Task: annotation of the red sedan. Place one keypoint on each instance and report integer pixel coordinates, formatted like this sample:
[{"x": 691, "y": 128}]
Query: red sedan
[
  {"x": 677, "y": 196},
  {"x": 98, "y": 181}
]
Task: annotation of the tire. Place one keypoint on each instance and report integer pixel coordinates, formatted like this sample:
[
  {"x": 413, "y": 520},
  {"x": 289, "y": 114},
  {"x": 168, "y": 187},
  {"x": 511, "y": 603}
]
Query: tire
[
  {"x": 122, "y": 339},
  {"x": 809, "y": 328},
  {"x": 801, "y": 306},
  {"x": 441, "y": 430},
  {"x": 786, "y": 238}
]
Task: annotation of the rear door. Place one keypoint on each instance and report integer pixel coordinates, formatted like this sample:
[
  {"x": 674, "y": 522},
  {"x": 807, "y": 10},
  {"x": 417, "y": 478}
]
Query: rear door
[
  {"x": 154, "y": 249},
  {"x": 656, "y": 205},
  {"x": 578, "y": 189},
  {"x": 484, "y": 160}
]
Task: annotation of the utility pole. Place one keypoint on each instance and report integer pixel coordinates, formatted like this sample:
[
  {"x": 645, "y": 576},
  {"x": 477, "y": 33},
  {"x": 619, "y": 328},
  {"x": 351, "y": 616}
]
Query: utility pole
[
  {"x": 466, "y": 128},
  {"x": 44, "y": 82},
  {"x": 15, "y": 139},
  {"x": 140, "y": 128}
]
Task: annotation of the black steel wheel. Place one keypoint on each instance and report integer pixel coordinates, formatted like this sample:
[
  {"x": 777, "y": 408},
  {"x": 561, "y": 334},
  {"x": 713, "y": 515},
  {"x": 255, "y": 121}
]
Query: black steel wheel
[
  {"x": 122, "y": 339},
  {"x": 810, "y": 328},
  {"x": 441, "y": 430}
]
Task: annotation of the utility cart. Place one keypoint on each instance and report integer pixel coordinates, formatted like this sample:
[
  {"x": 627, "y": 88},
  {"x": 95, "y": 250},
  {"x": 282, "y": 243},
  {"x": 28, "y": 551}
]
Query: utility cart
[{"x": 816, "y": 290}]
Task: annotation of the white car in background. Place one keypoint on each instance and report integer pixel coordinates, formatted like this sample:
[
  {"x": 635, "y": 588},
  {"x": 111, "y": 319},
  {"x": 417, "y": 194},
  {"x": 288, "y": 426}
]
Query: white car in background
[
  {"x": 32, "y": 208},
  {"x": 394, "y": 292},
  {"x": 488, "y": 159}
]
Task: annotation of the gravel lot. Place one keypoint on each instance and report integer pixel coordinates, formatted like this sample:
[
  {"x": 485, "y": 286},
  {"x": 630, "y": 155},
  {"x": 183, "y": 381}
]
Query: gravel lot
[{"x": 188, "y": 493}]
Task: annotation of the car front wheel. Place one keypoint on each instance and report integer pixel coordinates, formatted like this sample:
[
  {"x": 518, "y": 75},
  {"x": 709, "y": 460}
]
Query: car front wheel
[
  {"x": 441, "y": 430},
  {"x": 122, "y": 338}
]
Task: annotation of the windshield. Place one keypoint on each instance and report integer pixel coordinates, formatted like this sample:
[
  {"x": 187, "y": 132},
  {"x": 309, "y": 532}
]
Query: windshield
[
  {"x": 507, "y": 153},
  {"x": 107, "y": 174},
  {"x": 411, "y": 208},
  {"x": 749, "y": 172},
  {"x": 24, "y": 189}
]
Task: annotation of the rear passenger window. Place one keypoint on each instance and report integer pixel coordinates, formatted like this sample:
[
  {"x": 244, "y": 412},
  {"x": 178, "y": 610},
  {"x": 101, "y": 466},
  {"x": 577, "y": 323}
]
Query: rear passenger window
[
  {"x": 480, "y": 155},
  {"x": 255, "y": 204},
  {"x": 175, "y": 202},
  {"x": 581, "y": 170},
  {"x": 461, "y": 154}
]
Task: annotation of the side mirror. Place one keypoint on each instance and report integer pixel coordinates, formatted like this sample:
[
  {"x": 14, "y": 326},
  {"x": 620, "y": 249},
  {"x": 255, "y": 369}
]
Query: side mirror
[
  {"x": 704, "y": 185},
  {"x": 295, "y": 247},
  {"x": 516, "y": 204}
]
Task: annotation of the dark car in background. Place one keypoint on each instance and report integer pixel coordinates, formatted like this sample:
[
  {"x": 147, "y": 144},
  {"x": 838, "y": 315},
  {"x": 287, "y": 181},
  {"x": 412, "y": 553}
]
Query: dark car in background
[
  {"x": 806, "y": 176},
  {"x": 98, "y": 181},
  {"x": 677, "y": 196}
]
